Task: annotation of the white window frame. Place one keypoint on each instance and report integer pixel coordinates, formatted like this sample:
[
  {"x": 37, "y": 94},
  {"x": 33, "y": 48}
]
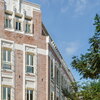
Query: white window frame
[
  {"x": 29, "y": 62},
  {"x": 53, "y": 68},
  {"x": 7, "y": 62},
  {"x": 9, "y": 18},
  {"x": 29, "y": 94},
  {"x": 6, "y": 92},
  {"x": 28, "y": 22},
  {"x": 52, "y": 93},
  {"x": 18, "y": 20}
]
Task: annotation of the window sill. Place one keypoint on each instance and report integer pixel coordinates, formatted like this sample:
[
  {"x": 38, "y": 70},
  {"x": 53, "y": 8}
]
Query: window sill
[
  {"x": 6, "y": 70},
  {"x": 9, "y": 29},
  {"x": 29, "y": 34},
  {"x": 19, "y": 32},
  {"x": 30, "y": 74}
]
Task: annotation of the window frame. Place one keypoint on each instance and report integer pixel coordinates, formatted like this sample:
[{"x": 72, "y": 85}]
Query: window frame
[
  {"x": 18, "y": 21},
  {"x": 28, "y": 22},
  {"x": 29, "y": 95},
  {"x": 9, "y": 63},
  {"x": 6, "y": 93},
  {"x": 52, "y": 95},
  {"x": 8, "y": 24},
  {"x": 30, "y": 54},
  {"x": 52, "y": 69}
]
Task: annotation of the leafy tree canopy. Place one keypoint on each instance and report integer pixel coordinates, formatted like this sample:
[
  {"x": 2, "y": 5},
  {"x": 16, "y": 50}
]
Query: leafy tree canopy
[{"x": 88, "y": 64}]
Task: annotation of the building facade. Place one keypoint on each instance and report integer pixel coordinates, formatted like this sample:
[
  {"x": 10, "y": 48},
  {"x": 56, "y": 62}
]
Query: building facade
[{"x": 31, "y": 66}]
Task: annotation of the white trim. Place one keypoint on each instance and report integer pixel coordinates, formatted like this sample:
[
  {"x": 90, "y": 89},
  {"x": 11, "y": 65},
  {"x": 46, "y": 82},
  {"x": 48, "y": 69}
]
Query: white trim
[
  {"x": 24, "y": 94},
  {"x": 47, "y": 39},
  {"x": 19, "y": 47},
  {"x": 42, "y": 51},
  {"x": 0, "y": 69}
]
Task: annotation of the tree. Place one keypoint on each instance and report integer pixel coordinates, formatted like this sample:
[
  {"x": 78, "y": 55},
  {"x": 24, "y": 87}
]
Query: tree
[
  {"x": 85, "y": 91},
  {"x": 88, "y": 65},
  {"x": 91, "y": 91}
]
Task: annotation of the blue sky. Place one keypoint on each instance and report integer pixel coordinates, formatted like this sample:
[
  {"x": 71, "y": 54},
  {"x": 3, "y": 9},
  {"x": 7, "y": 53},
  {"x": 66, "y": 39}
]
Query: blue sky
[{"x": 70, "y": 23}]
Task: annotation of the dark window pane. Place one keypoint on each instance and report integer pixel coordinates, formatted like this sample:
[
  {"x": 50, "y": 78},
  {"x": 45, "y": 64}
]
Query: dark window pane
[
  {"x": 29, "y": 69},
  {"x": 6, "y": 66},
  {"x": 16, "y": 25},
  {"x": 9, "y": 93},
  {"x": 27, "y": 94},
  {"x": 4, "y": 93},
  {"x": 19, "y": 26},
  {"x": 4, "y": 55},
  {"x": 31, "y": 95},
  {"x": 9, "y": 23}
]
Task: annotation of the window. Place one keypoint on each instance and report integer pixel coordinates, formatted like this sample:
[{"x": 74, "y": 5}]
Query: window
[
  {"x": 28, "y": 25},
  {"x": 8, "y": 21},
  {"x": 52, "y": 70},
  {"x": 58, "y": 77},
  {"x": 62, "y": 79},
  {"x": 29, "y": 63},
  {"x": 18, "y": 26},
  {"x": 28, "y": 28},
  {"x": 29, "y": 95},
  {"x": 6, "y": 57},
  {"x": 57, "y": 98},
  {"x": 52, "y": 95},
  {"x": 6, "y": 94}
]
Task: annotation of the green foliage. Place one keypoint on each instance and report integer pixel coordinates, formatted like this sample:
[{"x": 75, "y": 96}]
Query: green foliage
[
  {"x": 91, "y": 91},
  {"x": 86, "y": 91},
  {"x": 88, "y": 65}
]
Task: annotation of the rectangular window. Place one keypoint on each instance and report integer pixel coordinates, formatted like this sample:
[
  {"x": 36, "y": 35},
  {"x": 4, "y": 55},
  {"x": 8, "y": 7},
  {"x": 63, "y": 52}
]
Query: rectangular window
[
  {"x": 29, "y": 63},
  {"x": 58, "y": 77},
  {"x": 27, "y": 30},
  {"x": 52, "y": 69},
  {"x": 7, "y": 23},
  {"x": 6, "y": 58},
  {"x": 6, "y": 93},
  {"x": 18, "y": 26},
  {"x": 52, "y": 95},
  {"x": 29, "y": 94}
]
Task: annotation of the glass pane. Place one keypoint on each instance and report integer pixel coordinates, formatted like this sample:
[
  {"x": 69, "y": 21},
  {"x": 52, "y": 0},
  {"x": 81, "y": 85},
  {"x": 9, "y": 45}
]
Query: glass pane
[
  {"x": 6, "y": 22},
  {"x": 16, "y": 25},
  {"x": 9, "y": 23},
  {"x": 9, "y": 93},
  {"x": 4, "y": 93},
  {"x": 28, "y": 28},
  {"x": 31, "y": 60},
  {"x": 6, "y": 66},
  {"x": 51, "y": 96},
  {"x": 31, "y": 95},
  {"x": 27, "y": 57},
  {"x": 29, "y": 69},
  {"x": 19, "y": 26},
  {"x": 51, "y": 69},
  {"x": 27, "y": 94},
  {"x": 4, "y": 55},
  {"x": 9, "y": 55}
]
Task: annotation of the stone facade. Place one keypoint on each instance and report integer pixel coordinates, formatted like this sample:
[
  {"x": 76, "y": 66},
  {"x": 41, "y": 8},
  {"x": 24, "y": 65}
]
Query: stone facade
[{"x": 17, "y": 45}]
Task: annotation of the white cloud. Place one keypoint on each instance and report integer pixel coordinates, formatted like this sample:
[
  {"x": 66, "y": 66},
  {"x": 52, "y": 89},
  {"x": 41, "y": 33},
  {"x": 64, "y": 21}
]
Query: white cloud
[
  {"x": 77, "y": 6},
  {"x": 81, "y": 6},
  {"x": 71, "y": 48}
]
